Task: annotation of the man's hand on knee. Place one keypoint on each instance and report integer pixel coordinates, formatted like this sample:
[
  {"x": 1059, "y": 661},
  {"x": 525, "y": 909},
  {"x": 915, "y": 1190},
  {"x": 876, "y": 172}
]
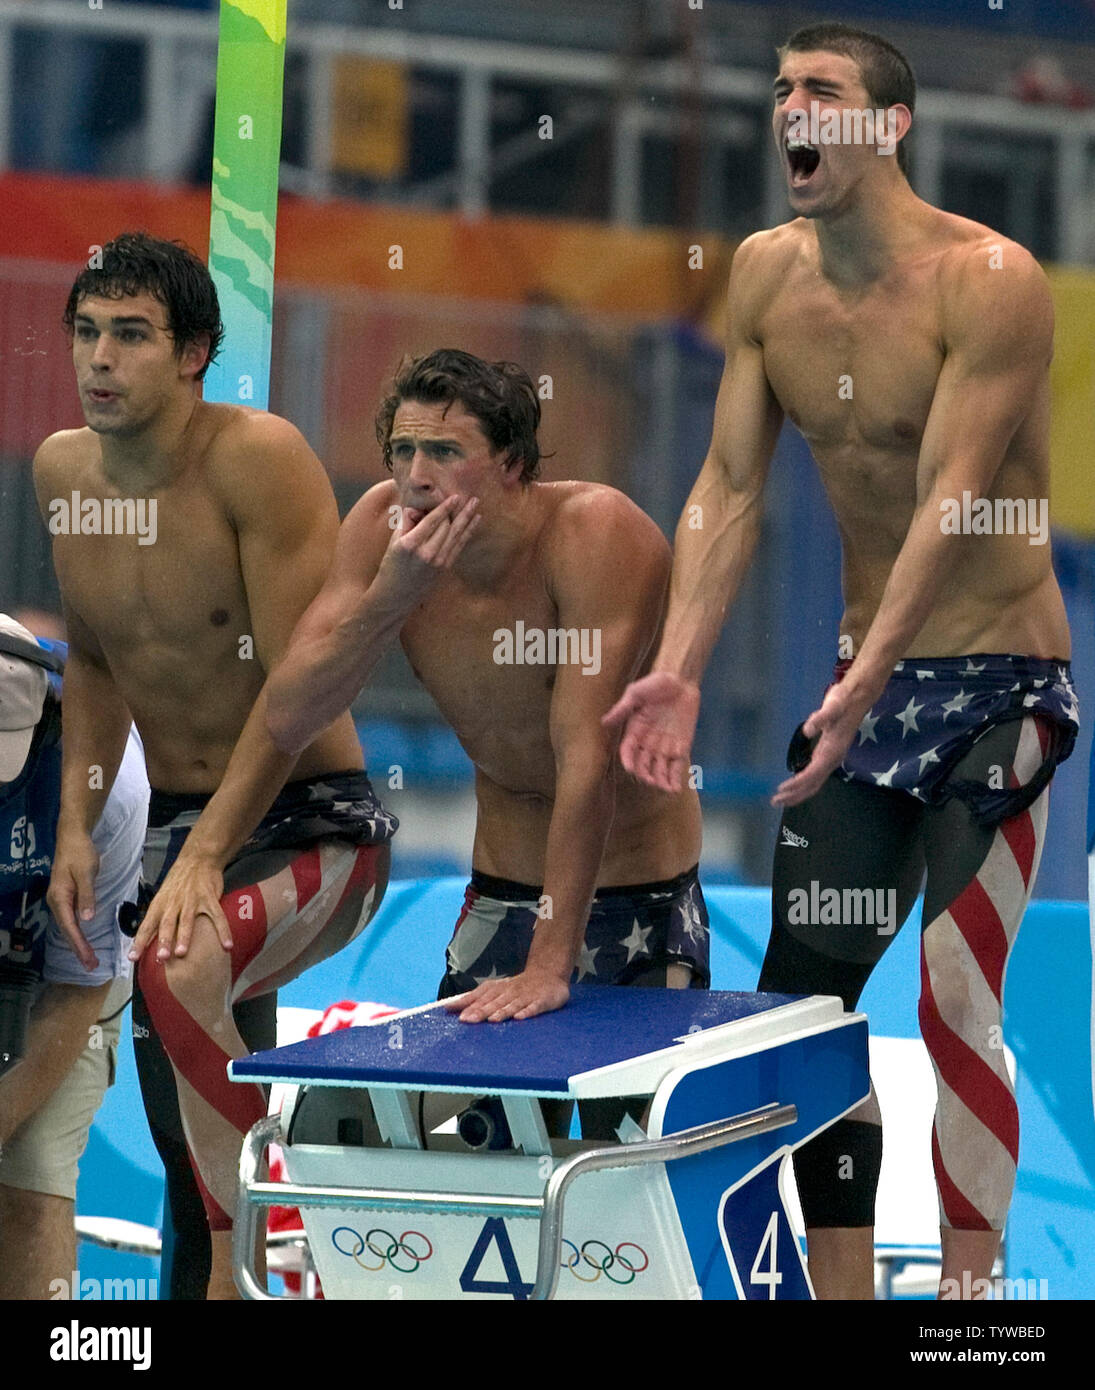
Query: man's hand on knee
[{"x": 192, "y": 889}]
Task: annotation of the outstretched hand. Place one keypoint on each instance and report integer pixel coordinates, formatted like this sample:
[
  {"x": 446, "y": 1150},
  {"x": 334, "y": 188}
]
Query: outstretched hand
[
  {"x": 658, "y": 714},
  {"x": 834, "y": 726}
]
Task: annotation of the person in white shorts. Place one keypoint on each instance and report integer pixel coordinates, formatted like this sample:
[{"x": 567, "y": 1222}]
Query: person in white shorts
[{"x": 59, "y": 1018}]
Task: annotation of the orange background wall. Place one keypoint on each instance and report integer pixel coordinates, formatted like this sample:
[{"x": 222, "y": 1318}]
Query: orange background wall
[{"x": 643, "y": 274}]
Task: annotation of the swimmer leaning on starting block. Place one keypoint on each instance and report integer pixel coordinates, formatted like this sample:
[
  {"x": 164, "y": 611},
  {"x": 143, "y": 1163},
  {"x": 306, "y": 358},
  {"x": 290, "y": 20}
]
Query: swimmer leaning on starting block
[
  {"x": 602, "y": 867},
  {"x": 911, "y": 348},
  {"x": 178, "y": 626},
  {"x": 576, "y": 871}
]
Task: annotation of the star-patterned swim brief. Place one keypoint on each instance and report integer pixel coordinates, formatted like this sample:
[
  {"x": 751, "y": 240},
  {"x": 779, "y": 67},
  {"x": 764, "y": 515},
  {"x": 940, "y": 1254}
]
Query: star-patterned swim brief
[
  {"x": 631, "y": 932},
  {"x": 933, "y": 710},
  {"x": 333, "y": 805}
]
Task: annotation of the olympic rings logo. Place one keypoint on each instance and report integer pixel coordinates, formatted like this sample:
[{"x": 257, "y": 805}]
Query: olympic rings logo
[
  {"x": 386, "y": 1251},
  {"x": 627, "y": 1265}
]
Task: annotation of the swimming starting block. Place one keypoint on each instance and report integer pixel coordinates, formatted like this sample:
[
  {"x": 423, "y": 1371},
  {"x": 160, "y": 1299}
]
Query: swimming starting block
[{"x": 692, "y": 1207}]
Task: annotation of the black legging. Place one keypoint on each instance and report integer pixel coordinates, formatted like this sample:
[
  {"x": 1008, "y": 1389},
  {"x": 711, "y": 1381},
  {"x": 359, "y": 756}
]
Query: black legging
[{"x": 872, "y": 846}]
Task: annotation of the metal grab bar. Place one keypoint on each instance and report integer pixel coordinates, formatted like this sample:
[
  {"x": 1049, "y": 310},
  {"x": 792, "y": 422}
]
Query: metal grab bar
[
  {"x": 266, "y": 1131},
  {"x": 253, "y": 1195},
  {"x": 681, "y": 1145}
]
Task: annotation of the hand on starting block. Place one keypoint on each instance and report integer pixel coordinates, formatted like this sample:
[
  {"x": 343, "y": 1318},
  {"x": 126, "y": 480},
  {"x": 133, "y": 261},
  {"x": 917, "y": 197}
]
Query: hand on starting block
[{"x": 519, "y": 996}]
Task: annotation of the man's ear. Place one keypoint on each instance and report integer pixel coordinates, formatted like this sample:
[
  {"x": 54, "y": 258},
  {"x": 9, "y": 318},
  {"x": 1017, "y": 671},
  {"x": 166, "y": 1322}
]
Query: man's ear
[
  {"x": 196, "y": 354},
  {"x": 903, "y": 117},
  {"x": 512, "y": 469}
]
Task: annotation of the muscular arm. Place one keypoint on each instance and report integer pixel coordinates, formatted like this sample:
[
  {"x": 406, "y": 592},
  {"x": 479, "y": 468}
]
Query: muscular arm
[
  {"x": 342, "y": 635},
  {"x": 998, "y": 329},
  {"x": 718, "y": 530},
  {"x": 96, "y": 726},
  {"x": 609, "y": 569},
  {"x": 379, "y": 575},
  {"x": 714, "y": 542}
]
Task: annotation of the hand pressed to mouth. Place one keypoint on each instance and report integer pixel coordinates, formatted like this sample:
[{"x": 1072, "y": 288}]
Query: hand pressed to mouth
[{"x": 417, "y": 513}]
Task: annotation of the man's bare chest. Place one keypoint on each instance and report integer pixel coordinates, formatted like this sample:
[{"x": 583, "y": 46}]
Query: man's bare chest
[
  {"x": 175, "y": 580},
  {"x": 853, "y": 370},
  {"x": 489, "y": 661}
]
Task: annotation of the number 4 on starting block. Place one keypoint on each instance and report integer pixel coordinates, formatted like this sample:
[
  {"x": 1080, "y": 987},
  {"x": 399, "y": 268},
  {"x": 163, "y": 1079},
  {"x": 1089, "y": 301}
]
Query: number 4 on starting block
[
  {"x": 494, "y": 1231},
  {"x": 761, "y": 1248}
]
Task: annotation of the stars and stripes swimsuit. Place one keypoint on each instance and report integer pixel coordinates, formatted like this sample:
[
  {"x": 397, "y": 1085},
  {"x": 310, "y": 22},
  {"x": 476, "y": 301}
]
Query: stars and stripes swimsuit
[
  {"x": 947, "y": 777},
  {"x": 303, "y": 886},
  {"x": 633, "y": 934}
]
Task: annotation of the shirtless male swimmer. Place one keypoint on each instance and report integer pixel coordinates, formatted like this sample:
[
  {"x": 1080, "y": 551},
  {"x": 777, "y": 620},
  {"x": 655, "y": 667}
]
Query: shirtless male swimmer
[
  {"x": 911, "y": 348},
  {"x": 576, "y": 867},
  {"x": 188, "y": 538}
]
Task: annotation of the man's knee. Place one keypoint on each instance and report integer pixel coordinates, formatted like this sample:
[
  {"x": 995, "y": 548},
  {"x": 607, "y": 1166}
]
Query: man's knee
[
  {"x": 37, "y": 1244},
  {"x": 964, "y": 1016},
  {"x": 191, "y": 982},
  {"x": 837, "y": 1175}
]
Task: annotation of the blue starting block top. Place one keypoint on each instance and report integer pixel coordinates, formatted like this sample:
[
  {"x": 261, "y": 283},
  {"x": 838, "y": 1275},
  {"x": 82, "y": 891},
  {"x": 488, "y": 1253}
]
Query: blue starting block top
[{"x": 600, "y": 1028}]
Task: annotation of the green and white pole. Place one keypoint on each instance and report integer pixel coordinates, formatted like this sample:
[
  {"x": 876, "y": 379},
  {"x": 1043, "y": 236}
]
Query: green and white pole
[{"x": 244, "y": 202}]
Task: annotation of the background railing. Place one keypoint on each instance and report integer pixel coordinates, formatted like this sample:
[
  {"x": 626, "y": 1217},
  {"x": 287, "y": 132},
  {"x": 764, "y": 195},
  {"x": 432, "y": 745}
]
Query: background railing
[
  {"x": 646, "y": 140},
  {"x": 638, "y": 138}
]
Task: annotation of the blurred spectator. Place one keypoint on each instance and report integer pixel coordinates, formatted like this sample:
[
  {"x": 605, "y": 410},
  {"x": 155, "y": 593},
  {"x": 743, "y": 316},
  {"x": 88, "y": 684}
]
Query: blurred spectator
[{"x": 1044, "y": 80}]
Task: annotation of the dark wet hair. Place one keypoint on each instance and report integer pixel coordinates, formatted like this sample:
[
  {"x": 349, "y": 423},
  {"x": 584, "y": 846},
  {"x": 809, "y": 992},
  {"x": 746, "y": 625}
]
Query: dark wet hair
[
  {"x": 887, "y": 75},
  {"x": 136, "y": 263},
  {"x": 499, "y": 394}
]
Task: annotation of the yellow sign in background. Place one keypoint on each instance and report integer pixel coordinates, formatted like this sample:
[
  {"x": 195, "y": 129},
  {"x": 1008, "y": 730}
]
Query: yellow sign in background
[
  {"x": 370, "y": 118},
  {"x": 1072, "y": 441}
]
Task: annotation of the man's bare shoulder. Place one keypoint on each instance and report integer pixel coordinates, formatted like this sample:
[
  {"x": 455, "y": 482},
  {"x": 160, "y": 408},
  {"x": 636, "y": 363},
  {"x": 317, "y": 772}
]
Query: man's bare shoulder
[
  {"x": 372, "y": 512},
  {"x": 585, "y": 520},
  {"x": 251, "y": 457},
  {"x": 987, "y": 281},
  {"x": 63, "y": 461},
  {"x": 365, "y": 534},
  {"x": 234, "y": 433},
  {"x": 970, "y": 246},
  {"x": 775, "y": 248},
  {"x": 762, "y": 264},
  {"x": 64, "y": 450}
]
